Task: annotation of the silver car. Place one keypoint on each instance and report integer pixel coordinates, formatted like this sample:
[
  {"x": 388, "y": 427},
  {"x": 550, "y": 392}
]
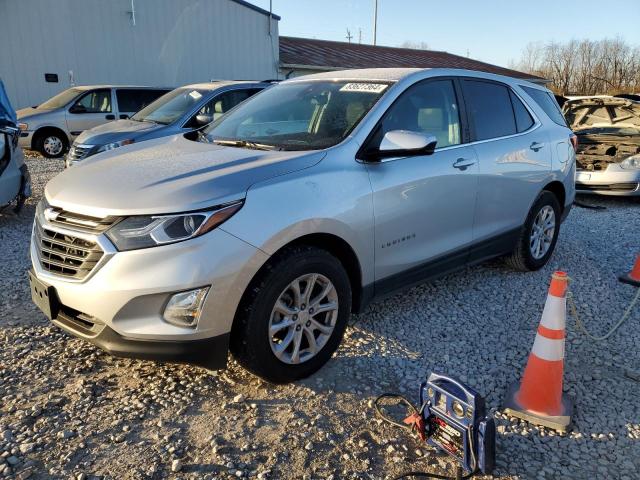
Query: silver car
[
  {"x": 608, "y": 155},
  {"x": 182, "y": 110},
  {"x": 301, "y": 205},
  {"x": 51, "y": 127}
]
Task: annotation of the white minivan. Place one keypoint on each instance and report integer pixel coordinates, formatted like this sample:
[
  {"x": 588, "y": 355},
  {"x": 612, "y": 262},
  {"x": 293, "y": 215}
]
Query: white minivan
[{"x": 49, "y": 128}]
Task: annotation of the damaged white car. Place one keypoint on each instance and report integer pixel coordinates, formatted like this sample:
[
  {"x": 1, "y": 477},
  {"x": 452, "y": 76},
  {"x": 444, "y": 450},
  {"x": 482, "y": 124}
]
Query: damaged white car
[{"x": 608, "y": 153}]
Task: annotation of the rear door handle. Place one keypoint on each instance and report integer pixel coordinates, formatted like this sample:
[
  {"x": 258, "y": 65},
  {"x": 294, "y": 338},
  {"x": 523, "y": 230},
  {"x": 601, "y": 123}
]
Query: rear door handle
[
  {"x": 535, "y": 146},
  {"x": 110, "y": 117},
  {"x": 123, "y": 116},
  {"x": 463, "y": 163}
]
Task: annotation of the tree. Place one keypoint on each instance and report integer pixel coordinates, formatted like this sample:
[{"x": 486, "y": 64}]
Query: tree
[{"x": 585, "y": 67}]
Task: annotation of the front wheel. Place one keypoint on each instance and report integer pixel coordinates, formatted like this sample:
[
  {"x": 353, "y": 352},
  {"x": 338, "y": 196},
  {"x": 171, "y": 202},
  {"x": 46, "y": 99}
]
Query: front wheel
[
  {"x": 539, "y": 234},
  {"x": 294, "y": 315},
  {"x": 51, "y": 145}
]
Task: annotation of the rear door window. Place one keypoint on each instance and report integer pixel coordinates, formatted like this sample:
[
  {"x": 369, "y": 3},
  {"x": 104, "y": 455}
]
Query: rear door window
[
  {"x": 130, "y": 100},
  {"x": 548, "y": 103},
  {"x": 489, "y": 108}
]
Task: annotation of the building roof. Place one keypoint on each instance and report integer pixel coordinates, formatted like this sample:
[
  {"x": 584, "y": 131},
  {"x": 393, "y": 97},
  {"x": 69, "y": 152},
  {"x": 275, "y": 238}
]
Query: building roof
[
  {"x": 331, "y": 55},
  {"x": 256, "y": 8}
]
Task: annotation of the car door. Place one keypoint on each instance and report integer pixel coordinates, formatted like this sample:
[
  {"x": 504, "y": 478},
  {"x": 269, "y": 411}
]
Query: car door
[
  {"x": 514, "y": 159},
  {"x": 90, "y": 110},
  {"x": 9, "y": 174},
  {"x": 423, "y": 205}
]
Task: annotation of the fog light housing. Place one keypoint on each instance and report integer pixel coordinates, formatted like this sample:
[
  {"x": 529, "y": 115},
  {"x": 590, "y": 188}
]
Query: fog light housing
[{"x": 184, "y": 308}]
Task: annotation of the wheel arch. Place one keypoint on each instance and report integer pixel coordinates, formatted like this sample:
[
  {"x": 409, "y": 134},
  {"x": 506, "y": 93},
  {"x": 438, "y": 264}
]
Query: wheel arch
[{"x": 557, "y": 188}]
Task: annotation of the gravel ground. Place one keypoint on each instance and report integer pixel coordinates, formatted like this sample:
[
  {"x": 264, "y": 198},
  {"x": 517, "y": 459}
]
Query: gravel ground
[{"x": 70, "y": 411}]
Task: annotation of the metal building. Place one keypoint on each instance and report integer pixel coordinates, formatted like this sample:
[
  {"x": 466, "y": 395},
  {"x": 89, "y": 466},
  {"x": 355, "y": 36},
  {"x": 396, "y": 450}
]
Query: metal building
[{"x": 50, "y": 45}]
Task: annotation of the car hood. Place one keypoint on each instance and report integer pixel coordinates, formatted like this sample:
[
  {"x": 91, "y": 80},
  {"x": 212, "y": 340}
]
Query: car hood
[
  {"x": 602, "y": 112},
  {"x": 30, "y": 112},
  {"x": 115, "y": 131},
  {"x": 168, "y": 175}
]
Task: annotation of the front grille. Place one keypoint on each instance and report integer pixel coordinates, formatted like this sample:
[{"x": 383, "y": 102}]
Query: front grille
[
  {"x": 78, "y": 152},
  {"x": 66, "y": 255},
  {"x": 76, "y": 221}
]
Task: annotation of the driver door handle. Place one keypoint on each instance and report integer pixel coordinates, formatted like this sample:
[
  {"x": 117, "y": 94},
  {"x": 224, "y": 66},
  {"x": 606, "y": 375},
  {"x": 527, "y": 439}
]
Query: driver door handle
[
  {"x": 535, "y": 146},
  {"x": 110, "y": 117},
  {"x": 463, "y": 163}
]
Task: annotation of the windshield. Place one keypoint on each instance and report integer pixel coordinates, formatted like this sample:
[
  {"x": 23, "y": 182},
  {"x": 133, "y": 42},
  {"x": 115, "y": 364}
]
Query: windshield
[
  {"x": 61, "y": 99},
  {"x": 171, "y": 106},
  {"x": 298, "y": 115}
]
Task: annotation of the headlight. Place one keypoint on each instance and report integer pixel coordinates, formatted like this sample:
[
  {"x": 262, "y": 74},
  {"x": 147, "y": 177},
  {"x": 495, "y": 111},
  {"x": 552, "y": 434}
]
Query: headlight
[
  {"x": 23, "y": 127},
  {"x": 631, "y": 163},
  {"x": 149, "y": 231},
  {"x": 111, "y": 146}
]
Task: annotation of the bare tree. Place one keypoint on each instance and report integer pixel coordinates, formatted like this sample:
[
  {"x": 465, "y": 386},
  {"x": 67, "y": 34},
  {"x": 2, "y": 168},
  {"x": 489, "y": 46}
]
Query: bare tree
[{"x": 584, "y": 66}]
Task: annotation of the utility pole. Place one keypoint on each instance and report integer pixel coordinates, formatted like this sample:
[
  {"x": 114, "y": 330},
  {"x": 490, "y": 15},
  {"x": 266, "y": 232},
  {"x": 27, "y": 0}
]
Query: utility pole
[
  {"x": 349, "y": 36},
  {"x": 375, "y": 20},
  {"x": 359, "y": 35}
]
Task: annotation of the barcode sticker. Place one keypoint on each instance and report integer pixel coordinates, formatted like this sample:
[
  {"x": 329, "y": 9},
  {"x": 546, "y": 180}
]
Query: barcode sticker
[{"x": 364, "y": 87}]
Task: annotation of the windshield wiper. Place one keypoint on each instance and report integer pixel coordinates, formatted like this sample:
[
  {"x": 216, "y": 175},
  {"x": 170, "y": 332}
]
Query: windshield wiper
[{"x": 245, "y": 144}]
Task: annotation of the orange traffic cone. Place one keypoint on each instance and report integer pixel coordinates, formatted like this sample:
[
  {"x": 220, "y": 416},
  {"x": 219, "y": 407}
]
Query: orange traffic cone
[
  {"x": 633, "y": 277},
  {"x": 538, "y": 399}
]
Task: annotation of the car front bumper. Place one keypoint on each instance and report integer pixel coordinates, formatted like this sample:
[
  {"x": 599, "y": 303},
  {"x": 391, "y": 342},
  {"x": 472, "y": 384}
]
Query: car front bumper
[
  {"x": 119, "y": 306},
  {"x": 25, "y": 139},
  {"x": 612, "y": 181}
]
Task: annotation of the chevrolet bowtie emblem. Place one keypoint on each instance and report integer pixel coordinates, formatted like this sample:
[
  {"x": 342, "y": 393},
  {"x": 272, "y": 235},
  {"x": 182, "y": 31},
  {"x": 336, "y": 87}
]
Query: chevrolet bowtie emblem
[{"x": 50, "y": 214}]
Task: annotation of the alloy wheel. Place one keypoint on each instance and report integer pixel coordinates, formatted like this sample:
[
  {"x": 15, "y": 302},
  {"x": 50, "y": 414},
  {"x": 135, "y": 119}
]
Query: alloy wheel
[
  {"x": 542, "y": 232},
  {"x": 303, "y": 318}
]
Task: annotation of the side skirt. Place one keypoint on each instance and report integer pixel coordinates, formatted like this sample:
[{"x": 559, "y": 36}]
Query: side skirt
[{"x": 433, "y": 269}]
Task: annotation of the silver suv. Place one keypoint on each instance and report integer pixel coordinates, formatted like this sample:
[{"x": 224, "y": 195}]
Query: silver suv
[
  {"x": 51, "y": 127},
  {"x": 296, "y": 208}
]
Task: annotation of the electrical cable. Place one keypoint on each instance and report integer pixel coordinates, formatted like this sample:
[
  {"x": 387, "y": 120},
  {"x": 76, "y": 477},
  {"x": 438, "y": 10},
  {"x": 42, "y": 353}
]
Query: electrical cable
[
  {"x": 414, "y": 410},
  {"x": 625, "y": 316}
]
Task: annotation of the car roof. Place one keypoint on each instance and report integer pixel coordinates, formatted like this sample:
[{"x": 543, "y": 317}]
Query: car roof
[
  {"x": 93, "y": 87},
  {"x": 398, "y": 74},
  {"x": 215, "y": 84}
]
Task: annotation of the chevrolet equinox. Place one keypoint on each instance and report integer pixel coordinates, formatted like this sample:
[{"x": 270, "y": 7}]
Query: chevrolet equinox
[{"x": 263, "y": 232}]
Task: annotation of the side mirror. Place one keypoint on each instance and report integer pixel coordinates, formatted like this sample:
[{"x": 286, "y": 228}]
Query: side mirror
[
  {"x": 202, "y": 120},
  {"x": 400, "y": 143},
  {"x": 405, "y": 143},
  {"x": 77, "y": 108}
]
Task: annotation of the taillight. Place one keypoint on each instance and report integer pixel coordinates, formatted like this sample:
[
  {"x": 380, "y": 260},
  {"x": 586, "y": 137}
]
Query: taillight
[{"x": 574, "y": 141}]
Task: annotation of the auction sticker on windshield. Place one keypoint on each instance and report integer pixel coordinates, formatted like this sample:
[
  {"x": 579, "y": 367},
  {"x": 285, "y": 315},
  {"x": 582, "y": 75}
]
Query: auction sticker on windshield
[
  {"x": 364, "y": 87},
  {"x": 195, "y": 94}
]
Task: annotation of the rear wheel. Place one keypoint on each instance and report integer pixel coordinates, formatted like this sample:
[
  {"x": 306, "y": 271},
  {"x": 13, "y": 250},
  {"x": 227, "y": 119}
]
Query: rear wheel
[
  {"x": 51, "y": 144},
  {"x": 539, "y": 234},
  {"x": 294, "y": 315}
]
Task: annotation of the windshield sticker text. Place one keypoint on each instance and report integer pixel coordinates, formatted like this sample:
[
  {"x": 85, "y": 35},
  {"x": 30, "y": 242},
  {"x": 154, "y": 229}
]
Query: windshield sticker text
[{"x": 364, "y": 87}]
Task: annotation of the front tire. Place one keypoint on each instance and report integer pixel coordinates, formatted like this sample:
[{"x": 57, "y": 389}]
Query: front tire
[
  {"x": 539, "y": 234},
  {"x": 51, "y": 144},
  {"x": 293, "y": 316}
]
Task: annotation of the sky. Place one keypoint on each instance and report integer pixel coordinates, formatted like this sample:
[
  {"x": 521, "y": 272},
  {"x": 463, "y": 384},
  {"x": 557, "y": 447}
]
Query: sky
[{"x": 494, "y": 31}]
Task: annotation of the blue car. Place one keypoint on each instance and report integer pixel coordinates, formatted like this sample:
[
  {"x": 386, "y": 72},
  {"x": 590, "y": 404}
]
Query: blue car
[{"x": 182, "y": 110}]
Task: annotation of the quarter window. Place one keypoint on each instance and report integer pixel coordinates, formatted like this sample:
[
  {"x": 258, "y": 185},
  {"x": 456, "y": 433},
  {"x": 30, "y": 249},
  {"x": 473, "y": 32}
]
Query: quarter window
[
  {"x": 428, "y": 107},
  {"x": 548, "y": 103},
  {"x": 490, "y": 110}
]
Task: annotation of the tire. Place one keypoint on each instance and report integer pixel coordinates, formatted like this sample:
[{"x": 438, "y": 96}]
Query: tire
[
  {"x": 524, "y": 257},
  {"x": 51, "y": 144},
  {"x": 252, "y": 344}
]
